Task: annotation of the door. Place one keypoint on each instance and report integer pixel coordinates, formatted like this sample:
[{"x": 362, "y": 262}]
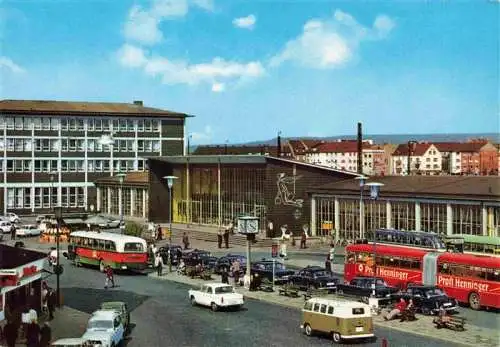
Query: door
[
  {"x": 429, "y": 269},
  {"x": 208, "y": 296},
  {"x": 118, "y": 330}
]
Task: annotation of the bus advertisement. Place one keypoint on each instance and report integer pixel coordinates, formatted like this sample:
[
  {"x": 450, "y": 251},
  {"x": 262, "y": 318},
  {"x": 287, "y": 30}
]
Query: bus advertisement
[
  {"x": 120, "y": 252},
  {"x": 471, "y": 279}
]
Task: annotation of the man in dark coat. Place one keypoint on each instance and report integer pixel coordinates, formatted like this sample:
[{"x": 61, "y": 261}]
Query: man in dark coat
[
  {"x": 12, "y": 232},
  {"x": 45, "y": 335},
  {"x": 51, "y": 303},
  {"x": 33, "y": 335},
  {"x": 226, "y": 238},
  {"x": 224, "y": 276},
  {"x": 185, "y": 240},
  {"x": 10, "y": 332},
  {"x": 219, "y": 238}
]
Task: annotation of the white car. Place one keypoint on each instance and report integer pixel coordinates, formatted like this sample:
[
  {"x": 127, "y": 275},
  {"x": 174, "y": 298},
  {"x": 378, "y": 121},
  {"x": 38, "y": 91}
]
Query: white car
[
  {"x": 12, "y": 217},
  {"x": 5, "y": 227},
  {"x": 216, "y": 296},
  {"x": 74, "y": 342},
  {"x": 106, "y": 328},
  {"x": 28, "y": 230}
]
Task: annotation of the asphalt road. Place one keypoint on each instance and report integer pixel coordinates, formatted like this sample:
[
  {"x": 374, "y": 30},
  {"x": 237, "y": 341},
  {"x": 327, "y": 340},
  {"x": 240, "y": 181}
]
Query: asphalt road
[{"x": 162, "y": 316}]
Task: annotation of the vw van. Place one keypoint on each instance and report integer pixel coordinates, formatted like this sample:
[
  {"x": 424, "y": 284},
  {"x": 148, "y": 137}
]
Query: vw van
[
  {"x": 75, "y": 342},
  {"x": 342, "y": 320}
]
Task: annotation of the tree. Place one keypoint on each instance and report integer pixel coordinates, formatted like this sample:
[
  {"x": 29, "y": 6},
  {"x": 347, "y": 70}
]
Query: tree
[{"x": 133, "y": 229}]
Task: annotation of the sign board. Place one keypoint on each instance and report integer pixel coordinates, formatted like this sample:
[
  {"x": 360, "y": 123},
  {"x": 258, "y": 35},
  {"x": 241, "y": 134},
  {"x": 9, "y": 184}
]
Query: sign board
[{"x": 248, "y": 225}]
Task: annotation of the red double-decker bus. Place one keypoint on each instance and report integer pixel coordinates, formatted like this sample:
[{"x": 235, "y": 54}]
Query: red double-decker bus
[{"x": 471, "y": 279}]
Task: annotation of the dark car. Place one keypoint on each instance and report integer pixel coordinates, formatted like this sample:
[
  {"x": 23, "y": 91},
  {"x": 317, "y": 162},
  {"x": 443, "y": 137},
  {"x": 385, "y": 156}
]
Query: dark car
[
  {"x": 197, "y": 256},
  {"x": 428, "y": 299},
  {"x": 176, "y": 252},
  {"x": 225, "y": 262},
  {"x": 362, "y": 287},
  {"x": 265, "y": 270},
  {"x": 314, "y": 277}
]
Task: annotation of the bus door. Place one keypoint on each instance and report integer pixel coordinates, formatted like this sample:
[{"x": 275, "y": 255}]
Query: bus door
[{"x": 429, "y": 269}]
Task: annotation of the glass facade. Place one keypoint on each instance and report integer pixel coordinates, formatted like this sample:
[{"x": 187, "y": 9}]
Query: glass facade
[
  {"x": 138, "y": 203},
  {"x": 325, "y": 216},
  {"x": 115, "y": 201},
  {"x": 467, "y": 219},
  {"x": 132, "y": 207},
  {"x": 375, "y": 216},
  {"x": 349, "y": 219},
  {"x": 494, "y": 221},
  {"x": 104, "y": 199},
  {"x": 433, "y": 217},
  {"x": 403, "y": 215},
  {"x": 126, "y": 200}
]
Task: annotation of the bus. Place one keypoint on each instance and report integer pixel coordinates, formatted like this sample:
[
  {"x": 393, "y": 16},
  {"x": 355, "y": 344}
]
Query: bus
[
  {"x": 419, "y": 239},
  {"x": 475, "y": 244},
  {"x": 120, "y": 252},
  {"x": 471, "y": 279}
]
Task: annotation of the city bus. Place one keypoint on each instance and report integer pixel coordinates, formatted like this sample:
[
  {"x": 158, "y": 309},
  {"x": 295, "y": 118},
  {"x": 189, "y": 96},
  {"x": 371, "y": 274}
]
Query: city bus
[
  {"x": 471, "y": 279},
  {"x": 120, "y": 252}
]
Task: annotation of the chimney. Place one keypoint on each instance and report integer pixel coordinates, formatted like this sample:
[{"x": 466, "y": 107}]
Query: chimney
[
  {"x": 279, "y": 145},
  {"x": 138, "y": 103},
  {"x": 360, "y": 149}
]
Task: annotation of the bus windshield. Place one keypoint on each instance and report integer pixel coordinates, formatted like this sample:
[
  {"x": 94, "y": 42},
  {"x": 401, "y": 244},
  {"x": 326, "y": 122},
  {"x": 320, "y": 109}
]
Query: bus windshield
[{"x": 133, "y": 247}]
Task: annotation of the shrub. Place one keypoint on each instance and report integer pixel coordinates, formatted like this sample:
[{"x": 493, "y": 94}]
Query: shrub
[{"x": 133, "y": 229}]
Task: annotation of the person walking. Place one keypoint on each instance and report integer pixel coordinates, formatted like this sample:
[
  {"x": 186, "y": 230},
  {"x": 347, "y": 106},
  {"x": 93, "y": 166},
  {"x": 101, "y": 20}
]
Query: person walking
[
  {"x": 224, "y": 276},
  {"x": 10, "y": 332},
  {"x": 226, "y": 238},
  {"x": 33, "y": 334},
  {"x": 158, "y": 264},
  {"x": 109, "y": 277},
  {"x": 219, "y": 238},
  {"x": 185, "y": 240},
  {"x": 159, "y": 235},
  {"x": 45, "y": 335},
  {"x": 12, "y": 231},
  {"x": 303, "y": 239},
  {"x": 328, "y": 264},
  {"x": 51, "y": 302},
  {"x": 236, "y": 271},
  {"x": 270, "y": 229}
]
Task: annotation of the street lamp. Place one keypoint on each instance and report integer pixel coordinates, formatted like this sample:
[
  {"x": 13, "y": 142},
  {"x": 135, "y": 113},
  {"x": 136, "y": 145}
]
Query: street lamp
[
  {"x": 58, "y": 268},
  {"x": 411, "y": 149},
  {"x": 361, "y": 180},
  {"x": 121, "y": 178},
  {"x": 107, "y": 140},
  {"x": 189, "y": 137},
  {"x": 374, "y": 192},
  {"x": 170, "y": 183},
  {"x": 52, "y": 177}
]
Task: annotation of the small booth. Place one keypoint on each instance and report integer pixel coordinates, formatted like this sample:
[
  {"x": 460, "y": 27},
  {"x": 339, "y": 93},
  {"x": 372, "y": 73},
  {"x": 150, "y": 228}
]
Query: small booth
[{"x": 21, "y": 273}]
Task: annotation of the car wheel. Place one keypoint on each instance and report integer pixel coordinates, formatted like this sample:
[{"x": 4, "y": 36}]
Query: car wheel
[
  {"x": 474, "y": 301},
  {"x": 193, "y": 301},
  {"x": 336, "y": 337},
  {"x": 308, "y": 330},
  {"x": 214, "y": 307},
  {"x": 101, "y": 266},
  {"x": 340, "y": 291}
]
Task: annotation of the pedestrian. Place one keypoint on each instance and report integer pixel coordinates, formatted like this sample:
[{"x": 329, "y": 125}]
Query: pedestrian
[
  {"x": 45, "y": 293},
  {"x": 397, "y": 310},
  {"x": 185, "y": 240},
  {"x": 270, "y": 229},
  {"x": 236, "y": 271},
  {"x": 45, "y": 335},
  {"x": 226, "y": 238},
  {"x": 158, "y": 264},
  {"x": 159, "y": 235},
  {"x": 51, "y": 303},
  {"x": 303, "y": 239},
  {"x": 12, "y": 232},
  {"x": 109, "y": 277},
  {"x": 328, "y": 264},
  {"x": 224, "y": 276},
  {"x": 10, "y": 332},
  {"x": 33, "y": 334},
  {"x": 178, "y": 255},
  {"x": 219, "y": 238}
]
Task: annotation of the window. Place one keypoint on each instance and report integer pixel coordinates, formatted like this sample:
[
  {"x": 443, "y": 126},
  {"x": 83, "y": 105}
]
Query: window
[
  {"x": 18, "y": 165},
  {"x": 130, "y": 125},
  {"x": 140, "y": 145},
  {"x": 46, "y": 123},
  {"x": 72, "y": 165},
  {"x": 156, "y": 146},
  {"x": 72, "y": 123},
  {"x": 358, "y": 311},
  {"x": 64, "y": 124},
  {"x": 80, "y": 124},
  {"x": 90, "y": 124},
  {"x": 10, "y": 123},
  {"x": 27, "y": 165},
  {"x": 15, "y": 197},
  {"x": 80, "y": 165},
  {"x": 116, "y": 125},
  {"x": 80, "y": 144},
  {"x": 72, "y": 145},
  {"x": 140, "y": 125},
  {"x": 330, "y": 309},
  {"x": 10, "y": 144},
  {"x": 323, "y": 308},
  {"x": 133, "y": 247},
  {"x": 156, "y": 125},
  {"x": 316, "y": 307},
  {"x": 18, "y": 145},
  {"x": 105, "y": 125},
  {"x": 10, "y": 165},
  {"x": 148, "y": 126},
  {"x": 98, "y": 124},
  {"x": 123, "y": 125},
  {"x": 18, "y": 123},
  {"x": 54, "y": 123},
  {"x": 38, "y": 165},
  {"x": 64, "y": 165},
  {"x": 308, "y": 306},
  {"x": 28, "y": 122},
  {"x": 27, "y": 197}
]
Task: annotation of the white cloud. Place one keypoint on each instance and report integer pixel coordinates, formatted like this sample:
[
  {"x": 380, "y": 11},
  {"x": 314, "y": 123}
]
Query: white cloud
[
  {"x": 204, "y": 135},
  {"x": 247, "y": 22},
  {"x": 218, "y": 87},
  {"x": 218, "y": 71},
  {"x": 331, "y": 43},
  {"x": 7, "y": 63},
  {"x": 142, "y": 24}
]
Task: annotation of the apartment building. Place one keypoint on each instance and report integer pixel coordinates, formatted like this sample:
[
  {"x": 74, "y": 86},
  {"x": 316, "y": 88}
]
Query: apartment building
[
  {"x": 53, "y": 151},
  {"x": 424, "y": 159},
  {"x": 475, "y": 157}
]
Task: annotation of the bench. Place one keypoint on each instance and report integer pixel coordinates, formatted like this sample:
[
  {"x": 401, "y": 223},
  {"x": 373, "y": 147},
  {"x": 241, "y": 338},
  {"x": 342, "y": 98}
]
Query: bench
[
  {"x": 289, "y": 290},
  {"x": 455, "y": 323},
  {"x": 315, "y": 292}
]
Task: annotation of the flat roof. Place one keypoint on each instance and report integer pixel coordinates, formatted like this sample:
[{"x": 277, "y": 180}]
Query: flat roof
[
  {"x": 462, "y": 187},
  {"x": 106, "y": 236},
  {"x": 53, "y": 107},
  {"x": 13, "y": 257}
]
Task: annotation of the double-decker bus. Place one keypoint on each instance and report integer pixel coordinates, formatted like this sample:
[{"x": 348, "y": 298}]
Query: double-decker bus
[
  {"x": 121, "y": 252},
  {"x": 471, "y": 279}
]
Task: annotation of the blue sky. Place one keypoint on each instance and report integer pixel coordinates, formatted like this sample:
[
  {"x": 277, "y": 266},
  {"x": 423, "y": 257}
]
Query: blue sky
[{"x": 248, "y": 69}]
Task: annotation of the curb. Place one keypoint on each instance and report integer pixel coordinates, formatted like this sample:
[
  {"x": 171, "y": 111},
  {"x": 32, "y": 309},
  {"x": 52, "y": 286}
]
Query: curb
[{"x": 297, "y": 307}]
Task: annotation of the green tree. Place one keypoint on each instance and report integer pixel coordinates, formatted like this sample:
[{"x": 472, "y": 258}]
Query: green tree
[{"x": 133, "y": 229}]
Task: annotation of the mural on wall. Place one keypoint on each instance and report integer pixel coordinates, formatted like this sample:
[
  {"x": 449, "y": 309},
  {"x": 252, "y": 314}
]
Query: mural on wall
[{"x": 286, "y": 191}]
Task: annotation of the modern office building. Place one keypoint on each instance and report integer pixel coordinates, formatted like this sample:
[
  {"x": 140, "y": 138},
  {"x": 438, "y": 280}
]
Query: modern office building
[{"x": 53, "y": 151}]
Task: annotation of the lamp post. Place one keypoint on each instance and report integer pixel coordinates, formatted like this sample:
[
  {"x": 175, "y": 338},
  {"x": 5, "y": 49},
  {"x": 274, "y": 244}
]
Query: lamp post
[
  {"x": 170, "y": 183},
  {"x": 374, "y": 192},
  {"x": 121, "y": 178},
  {"x": 107, "y": 140},
  {"x": 189, "y": 137},
  {"x": 58, "y": 268},
  {"x": 411, "y": 149},
  {"x": 361, "y": 180},
  {"x": 52, "y": 177}
]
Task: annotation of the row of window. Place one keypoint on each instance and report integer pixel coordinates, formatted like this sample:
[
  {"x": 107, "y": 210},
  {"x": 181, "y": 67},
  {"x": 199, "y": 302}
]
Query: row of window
[
  {"x": 45, "y": 197},
  {"x": 328, "y": 309},
  {"x": 78, "y": 124},
  {"x": 469, "y": 271},
  {"x": 106, "y": 245},
  {"x": 389, "y": 261},
  {"x": 78, "y": 145},
  {"x": 77, "y": 165}
]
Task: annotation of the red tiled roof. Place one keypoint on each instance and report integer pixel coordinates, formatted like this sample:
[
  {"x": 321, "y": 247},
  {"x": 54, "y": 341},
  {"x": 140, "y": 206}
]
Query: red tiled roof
[
  {"x": 236, "y": 150},
  {"x": 459, "y": 146},
  {"x": 340, "y": 147},
  {"x": 418, "y": 150}
]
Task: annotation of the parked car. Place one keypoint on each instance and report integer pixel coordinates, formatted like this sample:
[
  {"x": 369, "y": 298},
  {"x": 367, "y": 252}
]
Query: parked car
[
  {"x": 12, "y": 217},
  {"x": 118, "y": 306},
  {"x": 202, "y": 257},
  {"x": 164, "y": 253},
  {"x": 225, "y": 262},
  {"x": 216, "y": 296},
  {"x": 109, "y": 223},
  {"x": 428, "y": 299},
  {"x": 362, "y": 287},
  {"x": 41, "y": 217},
  {"x": 314, "y": 277},
  {"x": 28, "y": 230},
  {"x": 5, "y": 227},
  {"x": 75, "y": 342},
  {"x": 265, "y": 270},
  {"x": 106, "y": 328}
]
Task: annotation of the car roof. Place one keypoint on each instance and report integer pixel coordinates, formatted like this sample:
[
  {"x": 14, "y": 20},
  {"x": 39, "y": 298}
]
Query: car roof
[
  {"x": 103, "y": 314},
  {"x": 69, "y": 341},
  {"x": 217, "y": 285},
  {"x": 339, "y": 303},
  {"x": 112, "y": 303}
]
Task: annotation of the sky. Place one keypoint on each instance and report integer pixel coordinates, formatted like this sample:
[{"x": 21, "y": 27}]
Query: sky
[{"x": 250, "y": 69}]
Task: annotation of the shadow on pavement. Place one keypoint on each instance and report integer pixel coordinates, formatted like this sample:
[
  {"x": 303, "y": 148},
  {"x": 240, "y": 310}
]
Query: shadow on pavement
[{"x": 89, "y": 299}]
